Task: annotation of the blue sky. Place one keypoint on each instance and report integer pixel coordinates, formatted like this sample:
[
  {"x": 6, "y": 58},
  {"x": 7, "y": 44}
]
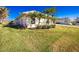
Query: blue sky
[{"x": 62, "y": 11}]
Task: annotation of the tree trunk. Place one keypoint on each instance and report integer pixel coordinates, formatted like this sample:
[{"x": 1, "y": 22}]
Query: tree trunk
[
  {"x": 39, "y": 26},
  {"x": 54, "y": 23}
]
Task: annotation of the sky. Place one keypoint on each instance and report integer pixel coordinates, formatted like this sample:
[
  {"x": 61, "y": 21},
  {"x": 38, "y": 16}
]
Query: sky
[{"x": 62, "y": 11}]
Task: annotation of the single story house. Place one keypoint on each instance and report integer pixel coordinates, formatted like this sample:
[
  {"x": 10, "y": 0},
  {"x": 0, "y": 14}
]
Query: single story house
[{"x": 25, "y": 20}]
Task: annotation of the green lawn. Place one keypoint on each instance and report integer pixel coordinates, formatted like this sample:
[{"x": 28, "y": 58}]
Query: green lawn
[{"x": 60, "y": 38}]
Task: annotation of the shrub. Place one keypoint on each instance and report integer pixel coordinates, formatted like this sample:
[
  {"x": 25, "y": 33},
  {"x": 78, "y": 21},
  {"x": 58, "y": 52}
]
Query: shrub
[
  {"x": 52, "y": 26},
  {"x": 44, "y": 26}
]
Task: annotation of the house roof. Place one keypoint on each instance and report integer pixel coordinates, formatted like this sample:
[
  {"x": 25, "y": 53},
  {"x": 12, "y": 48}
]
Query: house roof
[{"x": 27, "y": 12}]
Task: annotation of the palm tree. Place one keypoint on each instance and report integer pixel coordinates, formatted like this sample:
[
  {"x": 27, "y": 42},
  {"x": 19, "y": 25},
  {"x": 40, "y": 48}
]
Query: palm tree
[
  {"x": 39, "y": 16},
  {"x": 54, "y": 21},
  {"x": 50, "y": 13},
  {"x": 33, "y": 16}
]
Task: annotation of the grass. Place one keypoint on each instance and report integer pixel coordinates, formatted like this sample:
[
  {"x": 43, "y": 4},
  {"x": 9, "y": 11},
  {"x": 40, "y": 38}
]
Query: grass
[{"x": 60, "y": 38}]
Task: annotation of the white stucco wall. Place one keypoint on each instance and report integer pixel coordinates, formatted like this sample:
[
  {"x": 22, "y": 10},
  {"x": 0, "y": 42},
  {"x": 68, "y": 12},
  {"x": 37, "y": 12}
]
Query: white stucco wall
[
  {"x": 27, "y": 22},
  {"x": 50, "y": 22},
  {"x": 43, "y": 21},
  {"x": 36, "y": 21}
]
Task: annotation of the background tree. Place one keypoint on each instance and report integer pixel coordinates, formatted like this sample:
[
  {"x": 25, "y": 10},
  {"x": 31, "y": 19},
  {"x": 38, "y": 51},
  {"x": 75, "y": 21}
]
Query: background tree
[{"x": 3, "y": 14}]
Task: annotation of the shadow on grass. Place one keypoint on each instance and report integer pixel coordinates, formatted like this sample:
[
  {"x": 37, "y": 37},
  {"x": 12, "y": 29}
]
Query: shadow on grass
[
  {"x": 25, "y": 27},
  {"x": 15, "y": 27}
]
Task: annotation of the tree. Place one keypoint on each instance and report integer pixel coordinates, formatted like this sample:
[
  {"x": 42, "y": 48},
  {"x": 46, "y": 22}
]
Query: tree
[
  {"x": 54, "y": 21},
  {"x": 33, "y": 16},
  {"x": 3, "y": 14},
  {"x": 50, "y": 13},
  {"x": 39, "y": 16}
]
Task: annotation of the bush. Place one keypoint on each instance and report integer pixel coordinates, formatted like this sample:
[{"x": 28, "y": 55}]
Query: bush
[
  {"x": 52, "y": 26},
  {"x": 45, "y": 26},
  {"x": 38, "y": 27}
]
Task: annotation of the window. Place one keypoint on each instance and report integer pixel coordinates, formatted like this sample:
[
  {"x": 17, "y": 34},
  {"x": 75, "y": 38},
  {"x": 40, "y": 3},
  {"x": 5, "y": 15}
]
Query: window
[{"x": 33, "y": 21}]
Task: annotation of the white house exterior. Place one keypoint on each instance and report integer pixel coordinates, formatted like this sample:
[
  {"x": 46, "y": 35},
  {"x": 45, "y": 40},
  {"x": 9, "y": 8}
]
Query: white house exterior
[{"x": 27, "y": 21}]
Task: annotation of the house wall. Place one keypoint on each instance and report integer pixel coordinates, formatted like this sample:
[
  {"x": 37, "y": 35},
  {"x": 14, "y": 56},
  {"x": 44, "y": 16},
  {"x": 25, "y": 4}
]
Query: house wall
[
  {"x": 26, "y": 22},
  {"x": 43, "y": 21},
  {"x": 51, "y": 22},
  {"x": 36, "y": 21}
]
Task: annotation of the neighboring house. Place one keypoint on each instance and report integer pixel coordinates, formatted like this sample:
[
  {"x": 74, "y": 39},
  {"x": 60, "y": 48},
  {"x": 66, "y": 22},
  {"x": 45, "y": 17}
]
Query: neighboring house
[
  {"x": 28, "y": 22},
  {"x": 59, "y": 21},
  {"x": 76, "y": 21}
]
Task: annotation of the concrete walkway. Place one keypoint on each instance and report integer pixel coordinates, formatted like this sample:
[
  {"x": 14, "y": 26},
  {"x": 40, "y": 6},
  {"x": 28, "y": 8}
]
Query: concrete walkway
[{"x": 68, "y": 25}]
